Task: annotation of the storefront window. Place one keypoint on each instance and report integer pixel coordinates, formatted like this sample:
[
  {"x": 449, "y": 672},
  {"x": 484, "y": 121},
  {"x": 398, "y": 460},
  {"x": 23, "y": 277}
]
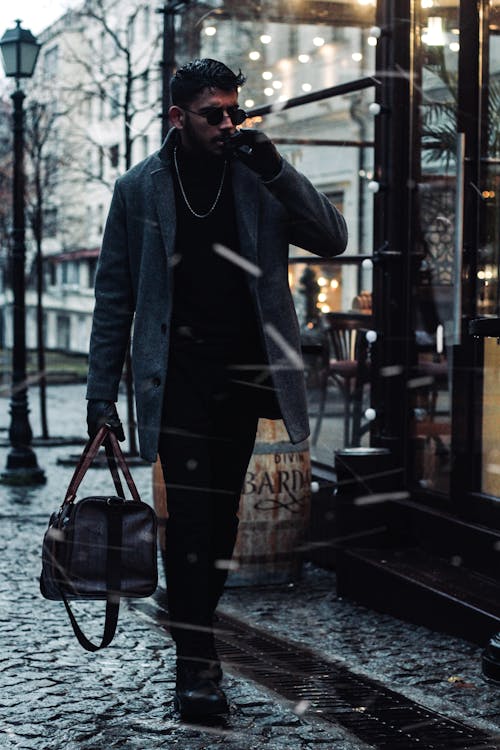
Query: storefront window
[
  {"x": 289, "y": 52},
  {"x": 435, "y": 244},
  {"x": 489, "y": 253}
]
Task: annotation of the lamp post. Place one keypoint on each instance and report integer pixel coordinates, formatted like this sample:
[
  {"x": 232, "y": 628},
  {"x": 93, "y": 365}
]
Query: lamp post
[
  {"x": 169, "y": 11},
  {"x": 19, "y": 50}
]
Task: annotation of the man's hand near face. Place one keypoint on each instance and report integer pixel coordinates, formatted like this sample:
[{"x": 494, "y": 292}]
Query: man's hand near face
[{"x": 257, "y": 151}]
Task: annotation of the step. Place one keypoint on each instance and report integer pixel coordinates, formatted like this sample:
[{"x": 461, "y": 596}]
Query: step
[
  {"x": 476, "y": 547},
  {"x": 425, "y": 589}
]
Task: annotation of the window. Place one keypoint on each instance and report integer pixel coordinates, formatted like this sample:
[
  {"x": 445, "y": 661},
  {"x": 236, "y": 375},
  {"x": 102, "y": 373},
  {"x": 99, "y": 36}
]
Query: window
[
  {"x": 92, "y": 267},
  {"x": 50, "y": 222},
  {"x": 88, "y": 217},
  {"x": 145, "y": 87},
  {"x": 69, "y": 272},
  {"x": 100, "y": 162},
  {"x": 336, "y": 197},
  {"x": 146, "y": 17},
  {"x": 51, "y": 274},
  {"x": 63, "y": 324},
  {"x": 114, "y": 155},
  {"x": 101, "y": 105},
  {"x": 115, "y": 100},
  {"x": 50, "y": 62},
  {"x": 90, "y": 160},
  {"x": 131, "y": 30},
  {"x": 100, "y": 218}
]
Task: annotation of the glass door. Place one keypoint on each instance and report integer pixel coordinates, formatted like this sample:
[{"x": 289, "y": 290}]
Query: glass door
[
  {"x": 437, "y": 48},
  {"x": 456, "y": 244},
  {"x": 487, "y": 320}
]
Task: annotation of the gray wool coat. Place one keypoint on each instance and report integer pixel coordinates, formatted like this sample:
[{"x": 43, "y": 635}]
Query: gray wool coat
[{"x": 134, "y": 281}]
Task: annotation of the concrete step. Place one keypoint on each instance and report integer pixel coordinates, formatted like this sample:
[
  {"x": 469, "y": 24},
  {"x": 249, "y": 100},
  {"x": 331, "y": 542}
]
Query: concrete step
[{"x": 423, "y": 588}]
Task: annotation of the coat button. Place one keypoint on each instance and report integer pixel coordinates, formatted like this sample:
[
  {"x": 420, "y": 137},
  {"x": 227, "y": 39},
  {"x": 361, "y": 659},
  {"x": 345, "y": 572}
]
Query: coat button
[{"x": 156, "y": 382}]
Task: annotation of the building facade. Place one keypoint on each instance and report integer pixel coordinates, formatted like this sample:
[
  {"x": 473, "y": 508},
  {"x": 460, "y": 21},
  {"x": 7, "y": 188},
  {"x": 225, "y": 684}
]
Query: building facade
[{"x": 391, "y": 108}]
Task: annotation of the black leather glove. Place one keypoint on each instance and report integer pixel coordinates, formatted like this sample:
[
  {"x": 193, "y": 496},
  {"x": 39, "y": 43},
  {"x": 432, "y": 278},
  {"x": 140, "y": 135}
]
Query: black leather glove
[
  {"x": 255, "y": 150},
  {"x": 103, "y": 412}
]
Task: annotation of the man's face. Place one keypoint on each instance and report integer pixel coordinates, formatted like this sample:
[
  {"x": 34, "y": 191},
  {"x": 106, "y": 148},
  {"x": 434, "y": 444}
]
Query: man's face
[{"x": 196, "y": 134}]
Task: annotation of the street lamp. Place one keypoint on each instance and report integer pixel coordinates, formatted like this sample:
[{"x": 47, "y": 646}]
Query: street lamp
[
  {"x": 19, "y": 50},
  {"x": 169, "y": 11}
]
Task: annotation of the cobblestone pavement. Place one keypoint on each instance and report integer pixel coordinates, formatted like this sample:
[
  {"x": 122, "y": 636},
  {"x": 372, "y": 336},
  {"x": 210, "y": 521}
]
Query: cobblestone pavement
[{"x": 54, "y": 695}]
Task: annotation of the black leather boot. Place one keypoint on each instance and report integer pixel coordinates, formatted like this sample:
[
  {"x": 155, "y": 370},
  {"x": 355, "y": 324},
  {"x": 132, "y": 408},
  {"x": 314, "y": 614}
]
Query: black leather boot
[
  {"x": 195, "y": 693},
  {"x": 213, "y": 668}
]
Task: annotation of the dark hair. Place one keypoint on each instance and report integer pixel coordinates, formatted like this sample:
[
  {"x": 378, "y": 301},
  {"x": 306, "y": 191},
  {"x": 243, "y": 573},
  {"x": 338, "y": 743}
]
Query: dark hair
[{"x": 200, "y": 74}]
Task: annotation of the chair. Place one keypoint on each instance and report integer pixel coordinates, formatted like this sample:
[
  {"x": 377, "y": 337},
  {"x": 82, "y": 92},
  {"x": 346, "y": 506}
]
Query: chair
[{"x": 346, "y": 363}]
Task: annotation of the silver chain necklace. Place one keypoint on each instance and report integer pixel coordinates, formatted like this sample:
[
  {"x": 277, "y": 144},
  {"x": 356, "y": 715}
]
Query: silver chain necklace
[{"x": 219, "y": 191}]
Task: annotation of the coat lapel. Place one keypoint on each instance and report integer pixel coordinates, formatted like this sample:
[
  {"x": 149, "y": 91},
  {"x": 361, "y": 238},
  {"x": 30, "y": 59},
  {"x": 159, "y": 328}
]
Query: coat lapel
[
  {"x": 164, "y": 198},
  {"x": 246, "y": 195},
  {"x": 246, "y": 202}
]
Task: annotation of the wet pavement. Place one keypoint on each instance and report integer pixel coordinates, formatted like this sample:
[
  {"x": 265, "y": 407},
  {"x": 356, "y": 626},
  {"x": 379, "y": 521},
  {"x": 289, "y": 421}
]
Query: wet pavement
[{"x": 55, "y": 695}]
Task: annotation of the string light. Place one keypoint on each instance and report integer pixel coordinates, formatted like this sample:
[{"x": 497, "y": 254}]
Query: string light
[
  {"x": 265, "y": 38},
  {"x": 267, "y": 75},
  {"x": 306, "y": 87},
  {"x": 303, "y": 58},
  {"x": 268, "y": 91},
  {"x": 254, "y": 55},
  {"x": 357, "y": 56},
  {"x": 210, "y": 30},
  {"x": 249, "y": 103},
  {"x": 318, "y": 41},
  {"x": 372, "y": 41},
  {"x": 433, "y": 35},
  {"x": 277, "y": 85},
  {"x": 455, "y": 47}
]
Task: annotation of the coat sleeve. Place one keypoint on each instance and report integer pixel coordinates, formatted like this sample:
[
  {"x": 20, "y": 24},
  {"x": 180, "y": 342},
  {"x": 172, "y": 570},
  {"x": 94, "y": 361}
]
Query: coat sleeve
[
  {"x": 314, "y": 223},
  {"x": 114, "y": 306}
]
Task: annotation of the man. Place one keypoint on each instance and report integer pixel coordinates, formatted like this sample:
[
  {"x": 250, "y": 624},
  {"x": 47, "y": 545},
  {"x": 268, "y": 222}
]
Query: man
[{"x": 195, "y": 255}]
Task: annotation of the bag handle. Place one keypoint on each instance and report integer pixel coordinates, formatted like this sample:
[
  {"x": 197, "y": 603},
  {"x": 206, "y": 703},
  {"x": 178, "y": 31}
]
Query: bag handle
[{"x": 114, "y": 455}]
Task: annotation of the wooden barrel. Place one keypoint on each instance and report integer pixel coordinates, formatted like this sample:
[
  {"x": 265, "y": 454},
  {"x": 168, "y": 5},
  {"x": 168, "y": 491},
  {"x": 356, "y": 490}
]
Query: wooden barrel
[{"x": 274, "y": 509}]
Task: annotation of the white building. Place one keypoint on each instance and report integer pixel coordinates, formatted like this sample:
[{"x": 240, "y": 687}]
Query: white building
[{"x": 98, "y": 74}]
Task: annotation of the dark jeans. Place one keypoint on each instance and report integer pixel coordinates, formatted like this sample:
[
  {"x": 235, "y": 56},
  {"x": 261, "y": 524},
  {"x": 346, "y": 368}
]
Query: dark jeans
[{"x": 208, "y": 433}]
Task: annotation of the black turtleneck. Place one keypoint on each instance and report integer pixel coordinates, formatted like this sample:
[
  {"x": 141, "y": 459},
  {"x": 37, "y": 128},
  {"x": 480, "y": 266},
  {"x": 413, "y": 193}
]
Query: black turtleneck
[{"x": 212, "y": 302}]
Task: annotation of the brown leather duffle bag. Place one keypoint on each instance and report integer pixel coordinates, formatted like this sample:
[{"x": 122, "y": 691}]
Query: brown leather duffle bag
[{"x": 100, "y": 547}]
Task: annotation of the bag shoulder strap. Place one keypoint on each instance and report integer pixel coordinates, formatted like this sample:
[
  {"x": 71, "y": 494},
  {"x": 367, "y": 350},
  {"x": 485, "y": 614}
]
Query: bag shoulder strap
[{"x": 110, "y": 623}]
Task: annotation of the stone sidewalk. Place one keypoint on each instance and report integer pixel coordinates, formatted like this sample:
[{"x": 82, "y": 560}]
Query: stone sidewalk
[{"x": 54, "y": 695}]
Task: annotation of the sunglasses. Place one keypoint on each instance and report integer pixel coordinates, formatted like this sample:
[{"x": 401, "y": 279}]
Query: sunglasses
[{"x": 215, "y": 115}]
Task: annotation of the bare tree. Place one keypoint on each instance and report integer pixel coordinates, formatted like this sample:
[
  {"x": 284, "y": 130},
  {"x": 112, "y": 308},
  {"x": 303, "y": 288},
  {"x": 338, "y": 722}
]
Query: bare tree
[
  {"x": 44, "y": 163},
  {"x": 119, "y": 73}
]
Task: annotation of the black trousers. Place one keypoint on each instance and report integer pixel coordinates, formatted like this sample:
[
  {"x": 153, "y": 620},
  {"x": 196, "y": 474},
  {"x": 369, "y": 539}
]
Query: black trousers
[{"x": 208, "y": 433}]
